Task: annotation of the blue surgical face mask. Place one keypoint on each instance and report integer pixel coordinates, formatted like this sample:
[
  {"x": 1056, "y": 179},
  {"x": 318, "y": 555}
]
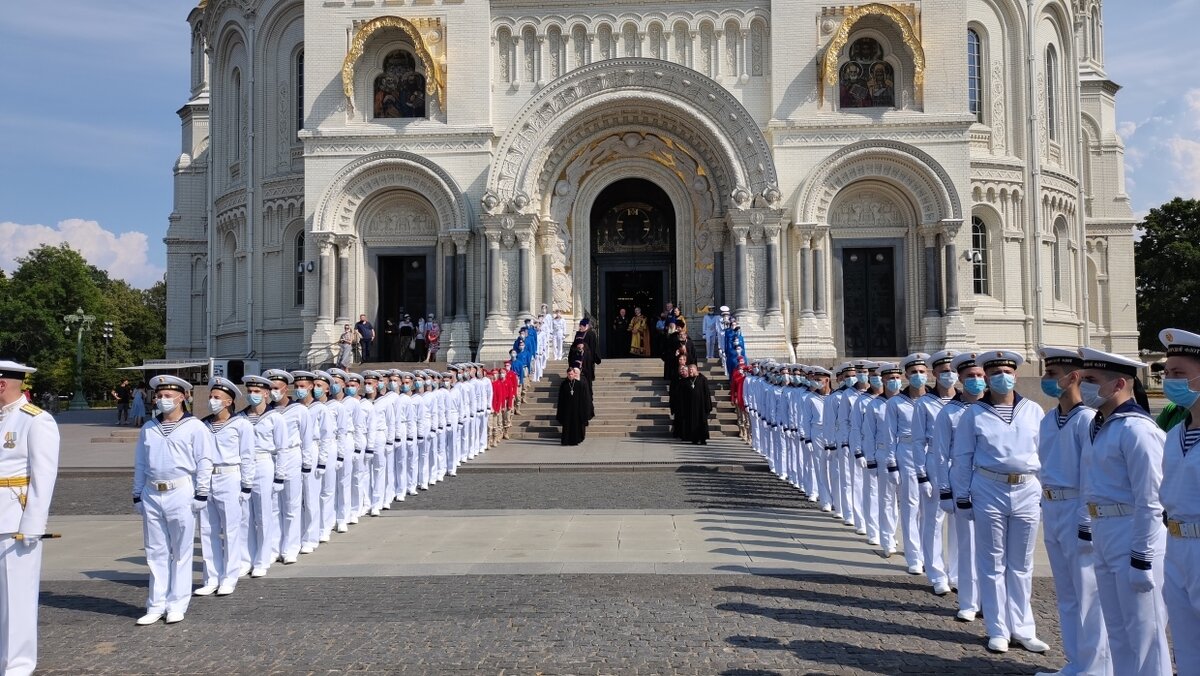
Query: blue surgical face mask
[
  {"x": 393, "y": 385},
  {"x": 1090, "y": 392},
  {"x": 165, "y": 404},
  {"x": 918, "y": 380},
  {"x": 863, "y": 379},
  {"x": 974, "y": 385},
  {"x": 301, "y": 392},
  {"x": 318, "y": 392},
  {"x": 1179, "y": 392},
  {"x": 1051, "y": 388},
  {"x": 382, "y": 387},
  {"x": 893, "y": 385},
  {"x": 406, "y": 388},
  {"x": 1002, "y": 383},
  {"x": 254, "y": 398},
  {"x": 351, "y": 390},
  {"x": 947, "y": 379},
  {"x": 276, "y": 395},
  {"x": 335, "y": 389},
  {"x": 875, "y": 381}
]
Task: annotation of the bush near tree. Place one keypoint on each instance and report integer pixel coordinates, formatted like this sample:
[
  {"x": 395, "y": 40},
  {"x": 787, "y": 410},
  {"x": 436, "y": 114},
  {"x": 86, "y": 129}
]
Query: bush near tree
[{"x": 53, "y": 281}]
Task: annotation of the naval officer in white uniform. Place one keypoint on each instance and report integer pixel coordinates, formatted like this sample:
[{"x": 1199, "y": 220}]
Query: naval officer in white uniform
[{"x": 28, "y": 469}]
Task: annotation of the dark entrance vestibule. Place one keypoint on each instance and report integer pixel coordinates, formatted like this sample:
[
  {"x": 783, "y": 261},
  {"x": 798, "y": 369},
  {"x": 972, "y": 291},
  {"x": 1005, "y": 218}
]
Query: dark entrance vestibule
[
  {"x": 403, "y": 289},
  {"x": 633, "y": 257}
]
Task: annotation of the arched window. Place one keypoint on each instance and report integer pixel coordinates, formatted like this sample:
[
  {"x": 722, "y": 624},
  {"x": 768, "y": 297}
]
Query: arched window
[
  {"x": 979, "y": 256},
  {"x": 1057, "y": 256},
  {"x": 229, "y": 294},
  {"x": 758, "y": 47},
  {"x": 657, "y": 48},
  {"x": 298, "y": 270},
  {"x": 555, "y": 43},
  {"x": 300, "y": 90},
  {"x": 1096, "y": 34},
  {"x": 866, "y": 80},
  {"x": 682, "y": 40},
  {"x": 975, "y": 74},
  {"x": 579, "y": 40},
  {"x": 1052, "y": 92},
  {"x": 399, "y": 89},
  {"x": 629, "y": 36},
  {"x": 604, "y": 38},
  {"x": 235, "y": 117},
  {"x": 504, "y": 49}
]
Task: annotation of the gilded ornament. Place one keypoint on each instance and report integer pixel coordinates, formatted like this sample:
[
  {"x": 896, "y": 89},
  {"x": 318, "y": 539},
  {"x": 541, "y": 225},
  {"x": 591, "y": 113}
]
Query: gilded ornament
[
  {"x": 435, "y": 81},
  {"x": 830, "y": 64}
]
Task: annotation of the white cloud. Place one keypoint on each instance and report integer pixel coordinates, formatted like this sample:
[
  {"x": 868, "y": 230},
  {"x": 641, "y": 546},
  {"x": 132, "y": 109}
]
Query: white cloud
[
  {"x": 124, "y": 255},
  {"x": 1162, "y": 152},
  {"x": 1185, "y": 160}
]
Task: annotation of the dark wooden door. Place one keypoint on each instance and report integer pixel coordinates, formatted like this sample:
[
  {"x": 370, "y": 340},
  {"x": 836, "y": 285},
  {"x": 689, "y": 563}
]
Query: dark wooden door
[
  {"x": 869, "y": 302},
  {"x": 402, "y": 290},
  {"x": 627, "y": 289}
]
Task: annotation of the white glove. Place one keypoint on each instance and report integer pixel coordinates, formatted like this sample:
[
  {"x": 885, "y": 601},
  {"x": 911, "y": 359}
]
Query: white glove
[
  {"x": 894, "y": 476},
  {"x": 244, "y": 494},
  {"x": 28, "y": 542},
  {"x": 927, "y": 488},
  {"x": 966, "y": 508},
  {"x": 199, "y": 504},
  {"x": 862, "y": 461},
  {"x": 340, "y": 462},
  {"x": 1141, "y": 581},
  {"x": 947, "y": 506},
  {"x": 319, "y": 472},
  {"x": 1086, "y": 548},
  {"x": 277, "y": 487}
]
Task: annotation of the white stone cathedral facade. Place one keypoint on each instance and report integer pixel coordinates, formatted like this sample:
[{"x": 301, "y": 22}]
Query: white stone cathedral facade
[{"x": 867, "y": 179}]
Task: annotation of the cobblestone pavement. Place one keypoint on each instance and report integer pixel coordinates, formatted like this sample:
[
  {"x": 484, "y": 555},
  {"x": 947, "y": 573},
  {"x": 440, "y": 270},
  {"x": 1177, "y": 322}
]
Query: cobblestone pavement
[
  {"x": 109, "y": 493},
  {"x": 627, "y": 624}
]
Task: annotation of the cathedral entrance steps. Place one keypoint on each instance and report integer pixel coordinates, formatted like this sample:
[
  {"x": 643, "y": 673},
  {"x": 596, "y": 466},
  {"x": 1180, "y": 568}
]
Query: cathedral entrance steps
[
  {"x": 438, "y": 366},
  {"x": 630, "y": 398}
]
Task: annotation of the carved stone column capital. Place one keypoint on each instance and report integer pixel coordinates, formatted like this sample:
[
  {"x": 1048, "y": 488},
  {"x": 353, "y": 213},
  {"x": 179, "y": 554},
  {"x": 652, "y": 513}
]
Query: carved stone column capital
[
  {"x": 950, "y": 227},
  {"x": 740, "y": 234}
]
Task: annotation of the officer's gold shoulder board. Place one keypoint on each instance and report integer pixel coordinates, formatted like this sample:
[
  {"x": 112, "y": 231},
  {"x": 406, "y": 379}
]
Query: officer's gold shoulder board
[{"x": 31, "y": 409}]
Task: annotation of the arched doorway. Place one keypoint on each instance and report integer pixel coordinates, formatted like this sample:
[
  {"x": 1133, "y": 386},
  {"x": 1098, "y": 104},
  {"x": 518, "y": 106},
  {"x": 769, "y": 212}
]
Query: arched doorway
[{"x": 633, "y": 256}]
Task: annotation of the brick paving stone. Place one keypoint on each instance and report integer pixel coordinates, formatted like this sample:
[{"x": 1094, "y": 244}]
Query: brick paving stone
[
  {"x": 109, "y": 493},
  {"x": 548, "y": 624}
]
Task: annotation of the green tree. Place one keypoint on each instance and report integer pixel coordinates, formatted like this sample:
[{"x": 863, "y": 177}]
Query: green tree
[
  {"x": 53, "y": 281},
  {"x": 1168, "y": 271}
]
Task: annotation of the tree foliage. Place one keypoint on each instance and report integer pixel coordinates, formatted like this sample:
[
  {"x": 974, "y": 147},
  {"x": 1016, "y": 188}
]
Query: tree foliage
[
  {"x": 53, "y": 281},
  {"x": 1168, "y": 271}
]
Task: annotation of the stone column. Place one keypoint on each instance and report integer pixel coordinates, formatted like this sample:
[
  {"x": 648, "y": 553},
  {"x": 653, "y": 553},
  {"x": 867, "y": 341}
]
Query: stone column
[
  {"x": 931, "y": 276},
  {"x": 741, "y": 269},
  {"x": 743, "y": 54},
  {"x": 950, "y": 231},
  {"x": 806, "y": 276},
  {"x": 448, "y": 282},
  {"x": 524, "y": 273},
  {"x": 493, "y": 269},
  {"x": 719, "y": 278},
  {"x": 819, "y": 281},
  {"x": 547, "y": 236},
  {"x": 345, "y": 246},
  {"x": 461, "y": 239},
  {"x": 325, "y": 293},
  {"x": 540, "y": 65},
  {"x": 773, "y": 276}
]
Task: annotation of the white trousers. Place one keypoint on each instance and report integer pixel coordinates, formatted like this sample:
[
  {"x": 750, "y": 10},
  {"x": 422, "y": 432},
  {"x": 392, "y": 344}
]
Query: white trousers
[
  {"x": 811, "y": 452},
  {"x": 377, "y": 467},
  {"x": 360, "y": 485},
  {"x": 169, "y": 534},
  {"x": 220, "y": 530},
  {"x": 425, "y": 463},
  {"x": 328, "y": 483},
  {"x": 870, "y": 502},
  {"x": 712, "y": 346},
  {"x": 910, "y": 505},
  {"x": 1084, "y": 637},
  {"x": 310, "y": 528},
  {"x": 343, "y": 501},
  {"x": 20, "y": 580},
  {"x": 1006, "y": 524},
  {"x": 855, "y": 491},
  {"x": 1136, "y": 622},
  {"x": 287, "y": 503},
  {"x": 933, "y": 520},
  {"x": 968, "y": 577},
  {"x": 556, "y": 346},
  {"x": 887, "y": 508},
  {"x": 1182, "y": 593},
  {"x": 260, "y": 527},
  {"x": 845, "y": 486},
  {"x": 389, "y": 473}
]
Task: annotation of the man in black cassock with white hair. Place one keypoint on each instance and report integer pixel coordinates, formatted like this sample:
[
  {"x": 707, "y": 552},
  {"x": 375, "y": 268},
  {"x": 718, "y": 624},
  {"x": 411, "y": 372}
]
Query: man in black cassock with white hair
[
  {"x": 574, "y": 408},
  {"x": 695, "y": 408}
]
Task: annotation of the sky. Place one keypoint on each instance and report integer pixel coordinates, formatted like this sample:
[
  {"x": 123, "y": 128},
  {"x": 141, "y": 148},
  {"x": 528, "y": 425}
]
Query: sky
[{"x": 88, "y": 131}]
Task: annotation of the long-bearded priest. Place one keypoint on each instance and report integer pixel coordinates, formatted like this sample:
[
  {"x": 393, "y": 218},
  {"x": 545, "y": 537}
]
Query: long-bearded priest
[
  {"x": 574, "y": 408},
  {"x": 696, "y": 407}
]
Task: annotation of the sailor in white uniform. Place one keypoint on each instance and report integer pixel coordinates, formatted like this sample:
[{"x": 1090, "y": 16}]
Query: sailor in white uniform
[
  {"x": 28, "y": 470},
  {"x": 973, "y": 383},
  {"x": 993, "y": 473},
  {"x": 882, "y": 455},
  {"x": 1121, "y": 473},
  {"x": 366, "y": 423},
  {"x": 313, "y": 448},
  {"x": 1064, "y": 432},
  {"x": 172, "y": 471},
  {"x": 925, "y": 413},
  {"x": 232, "y": 483},
  {"x": 1180, "y": 494},
  {"x": 837, "y": 435},
  {"x": 900, "y": 409},
  {"x": 289, "y": 461},
  {"x": 260, "y": 526},
  {"x": 327, "y": 459},
  {"x": 821, "y": 448},
  {"x": 866, "y": 485},
  {"x": 345, "y": 406}
]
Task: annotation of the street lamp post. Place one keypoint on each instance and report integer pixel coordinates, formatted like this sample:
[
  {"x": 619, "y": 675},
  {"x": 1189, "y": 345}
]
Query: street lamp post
[
  {"x": 107, "y": 333},
  {"x": 82, "y": 323}
]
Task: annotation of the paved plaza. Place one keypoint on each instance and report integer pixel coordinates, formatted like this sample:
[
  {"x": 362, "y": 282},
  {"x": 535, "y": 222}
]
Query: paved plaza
[{"x": 626, "y": 556}]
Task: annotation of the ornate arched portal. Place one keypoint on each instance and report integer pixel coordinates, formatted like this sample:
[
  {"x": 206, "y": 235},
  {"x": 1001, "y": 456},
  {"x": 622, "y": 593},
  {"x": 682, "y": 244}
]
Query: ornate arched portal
[{"x": 609, "y": 121}]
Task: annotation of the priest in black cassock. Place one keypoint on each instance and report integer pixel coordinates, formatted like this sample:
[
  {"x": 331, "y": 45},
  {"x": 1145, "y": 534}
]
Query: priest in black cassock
[
  {"x": 675, "y": 396},
  {"x": 580, "y": 357},
  {"x": 695, "y": 408},
  {"x": 574, "y": 408}
]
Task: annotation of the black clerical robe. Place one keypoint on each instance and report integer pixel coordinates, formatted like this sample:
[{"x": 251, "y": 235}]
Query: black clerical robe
[
  {"x": 694, "y": 409},
  {"x": 574, "y": 410}
]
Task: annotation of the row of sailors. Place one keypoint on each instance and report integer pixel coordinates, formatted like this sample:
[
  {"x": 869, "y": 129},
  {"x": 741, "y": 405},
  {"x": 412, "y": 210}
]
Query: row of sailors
[
  {"x": 946, "y": 437},
  {"x": 311, "y": 453}
]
